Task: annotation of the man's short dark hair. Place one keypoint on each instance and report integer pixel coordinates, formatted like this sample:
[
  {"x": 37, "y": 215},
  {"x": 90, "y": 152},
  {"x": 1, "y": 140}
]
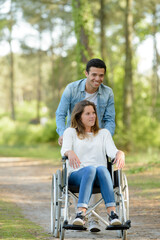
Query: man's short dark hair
[{"x": 95, "y": 62}]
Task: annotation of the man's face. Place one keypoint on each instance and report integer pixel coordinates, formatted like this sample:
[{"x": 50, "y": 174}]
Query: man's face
[{"x": 94, "y": 78}]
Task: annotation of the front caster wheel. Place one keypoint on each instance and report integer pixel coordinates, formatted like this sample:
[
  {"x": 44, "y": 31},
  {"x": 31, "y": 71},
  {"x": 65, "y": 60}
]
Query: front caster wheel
[{"x": 62, "y": 232}]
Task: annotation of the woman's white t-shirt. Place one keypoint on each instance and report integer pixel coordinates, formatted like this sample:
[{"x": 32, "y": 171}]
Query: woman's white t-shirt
[{"x": 91, "y": 150}]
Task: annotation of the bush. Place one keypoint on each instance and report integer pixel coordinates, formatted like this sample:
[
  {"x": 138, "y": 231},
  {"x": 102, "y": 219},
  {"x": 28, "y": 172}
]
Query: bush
[
  {"x": 49, "y": 131},
  {"x": 18, "y": 133},
  {"x": 146, "y": 132},
  {"x": 26, "y": 111}
]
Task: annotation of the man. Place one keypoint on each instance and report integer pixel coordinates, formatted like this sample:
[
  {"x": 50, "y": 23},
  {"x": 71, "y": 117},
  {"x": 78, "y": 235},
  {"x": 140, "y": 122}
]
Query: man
[{"x": 92, "y": 89}]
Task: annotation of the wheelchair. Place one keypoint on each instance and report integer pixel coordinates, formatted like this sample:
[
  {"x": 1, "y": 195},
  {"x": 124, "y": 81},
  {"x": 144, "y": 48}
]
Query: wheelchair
[{"x": 64, "y": 197}]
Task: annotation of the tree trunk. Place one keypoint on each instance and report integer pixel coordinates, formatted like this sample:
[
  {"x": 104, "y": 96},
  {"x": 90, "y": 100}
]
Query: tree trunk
[
  {"x": 83, "y": 20},
  {"x": 12, "y": 104},
  {"x": 39, "y": 82},
  {"x": 102, "y": 36},
  {"x": 52, "y": 80},
  {"x": 156, "y": 61},
  {"x": 12, "y": 98},
  {"x": 128, "y": 88}
]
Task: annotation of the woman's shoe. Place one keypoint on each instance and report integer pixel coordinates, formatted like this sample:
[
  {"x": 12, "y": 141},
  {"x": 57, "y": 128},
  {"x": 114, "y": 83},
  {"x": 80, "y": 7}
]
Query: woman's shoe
[
  {"x": 113, "y": 219},
  {"x": 79, "y": 219}
]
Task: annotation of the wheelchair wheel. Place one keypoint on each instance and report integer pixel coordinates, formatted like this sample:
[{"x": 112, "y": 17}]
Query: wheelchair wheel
[
  {"x": 60, "y": 222},
  {"x": 125, "y": 193},
  {"x": 124, "y": 235},
  {"x": 58, "y": 204},
  {"x": 120, "y": 202},
  {"x": 62, "y": 231},
  {"x": 53, "y": 202}
]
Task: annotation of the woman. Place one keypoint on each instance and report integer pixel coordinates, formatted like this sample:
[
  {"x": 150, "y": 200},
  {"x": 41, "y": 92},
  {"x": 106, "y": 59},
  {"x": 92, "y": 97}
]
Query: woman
[{"x": 86, "y": 147}]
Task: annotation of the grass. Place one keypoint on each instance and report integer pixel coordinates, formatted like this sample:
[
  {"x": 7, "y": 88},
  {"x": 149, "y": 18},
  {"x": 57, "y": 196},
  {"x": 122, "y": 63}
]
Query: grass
[
  {"x": 43, "y": 151},
  {"x": 142, "y": 170},
  {"x": 13, "y": 225}
]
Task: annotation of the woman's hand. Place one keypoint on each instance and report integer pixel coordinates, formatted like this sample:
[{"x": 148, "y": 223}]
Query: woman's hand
[
  {"x": 73, "y": 159},
  {"x": 120, "y": 159}
]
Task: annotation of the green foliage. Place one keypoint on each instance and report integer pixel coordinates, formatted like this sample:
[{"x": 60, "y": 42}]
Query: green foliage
[
  {"x": 84, "y": 24},
  {"x": 142, "y": 170},
  {"x": 49, "y": 131},
  {"x": 156, "y": 110},
  {"x": 25, "y": 111},
  {"x": 19, "y": 133},
  {"x": 145, "y": 126},
  {"x": 146, "y": 132},
  {"x": 59, "y": 63}
]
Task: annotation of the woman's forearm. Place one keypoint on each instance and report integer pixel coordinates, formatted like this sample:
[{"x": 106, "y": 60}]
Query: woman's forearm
[{"x": 73, "y": 159}]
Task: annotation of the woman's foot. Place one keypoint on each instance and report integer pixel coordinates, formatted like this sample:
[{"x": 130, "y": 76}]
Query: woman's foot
[
  {"x": 113, "y": 219},
  {"x": 79, "y": 219}
]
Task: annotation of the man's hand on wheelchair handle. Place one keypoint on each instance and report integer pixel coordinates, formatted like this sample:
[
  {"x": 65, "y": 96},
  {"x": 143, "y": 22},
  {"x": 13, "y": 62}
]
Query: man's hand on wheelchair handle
[
  {"x": 119, "y": 159},
  {"x": 60, "y": 140},
  {"x": 73, "y": 159}
]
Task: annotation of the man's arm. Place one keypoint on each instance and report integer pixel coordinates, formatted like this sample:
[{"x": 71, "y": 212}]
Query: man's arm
[
  {"x": 109, "y": 115},
  {"x": 61, "y": 112},
  {"x": 60, "y": 140}
]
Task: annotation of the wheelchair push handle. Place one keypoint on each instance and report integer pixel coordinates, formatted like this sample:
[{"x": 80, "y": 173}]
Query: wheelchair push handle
[
  {"x": 64, "y": 158},
  {"x": 112, "y": 161}
]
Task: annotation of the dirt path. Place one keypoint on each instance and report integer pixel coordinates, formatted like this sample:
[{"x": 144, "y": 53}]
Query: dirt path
[{"x": 28, "y": 184}]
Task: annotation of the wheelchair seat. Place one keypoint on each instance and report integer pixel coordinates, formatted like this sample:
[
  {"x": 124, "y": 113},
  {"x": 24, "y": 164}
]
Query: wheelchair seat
[{"x": 75, "y": 189}]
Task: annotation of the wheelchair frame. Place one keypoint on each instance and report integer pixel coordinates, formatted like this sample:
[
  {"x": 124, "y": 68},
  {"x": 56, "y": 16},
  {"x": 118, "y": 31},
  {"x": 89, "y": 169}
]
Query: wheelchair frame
[{"x": 61, "y": 193}]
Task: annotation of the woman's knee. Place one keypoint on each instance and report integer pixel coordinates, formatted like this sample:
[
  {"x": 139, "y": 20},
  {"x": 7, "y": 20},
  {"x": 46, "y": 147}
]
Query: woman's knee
[
  {"x": 102, "y": 171},
  {"x": 90, "y": 171}
]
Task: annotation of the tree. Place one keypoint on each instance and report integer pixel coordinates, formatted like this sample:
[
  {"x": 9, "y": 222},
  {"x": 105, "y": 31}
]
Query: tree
[
  {"x": 103, "y": 48},
  {"x": 156, "y": 56},
  {"x": 128, "y": 85},
  {"x": 83, "y": 22},
  {"x": 9, "y": 20},
  {"x": 39, "y": 23},
  {"x": 148, "y": 27}
]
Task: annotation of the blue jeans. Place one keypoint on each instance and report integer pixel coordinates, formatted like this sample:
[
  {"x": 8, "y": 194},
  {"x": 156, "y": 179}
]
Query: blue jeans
[{"x": 88, "y": 177}]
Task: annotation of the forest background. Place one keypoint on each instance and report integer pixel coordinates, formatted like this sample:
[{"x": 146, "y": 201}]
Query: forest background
[{"x": 60, "y": 37}]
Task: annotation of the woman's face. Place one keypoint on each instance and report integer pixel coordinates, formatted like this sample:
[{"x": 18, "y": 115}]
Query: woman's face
[{"x": 88, "y": 118}]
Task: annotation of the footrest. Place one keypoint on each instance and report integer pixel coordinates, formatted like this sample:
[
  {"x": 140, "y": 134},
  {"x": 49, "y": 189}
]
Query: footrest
[
  {"x": 124, "y": 226},
  {"x": 74, "y": 227}
]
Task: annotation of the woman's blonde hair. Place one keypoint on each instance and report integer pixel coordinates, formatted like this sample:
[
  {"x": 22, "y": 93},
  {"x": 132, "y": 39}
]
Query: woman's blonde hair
[{"x": 76, "y": 119}]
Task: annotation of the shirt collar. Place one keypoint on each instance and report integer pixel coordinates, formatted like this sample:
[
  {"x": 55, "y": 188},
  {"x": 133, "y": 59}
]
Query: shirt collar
[{"x": 82, "y": 89}]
